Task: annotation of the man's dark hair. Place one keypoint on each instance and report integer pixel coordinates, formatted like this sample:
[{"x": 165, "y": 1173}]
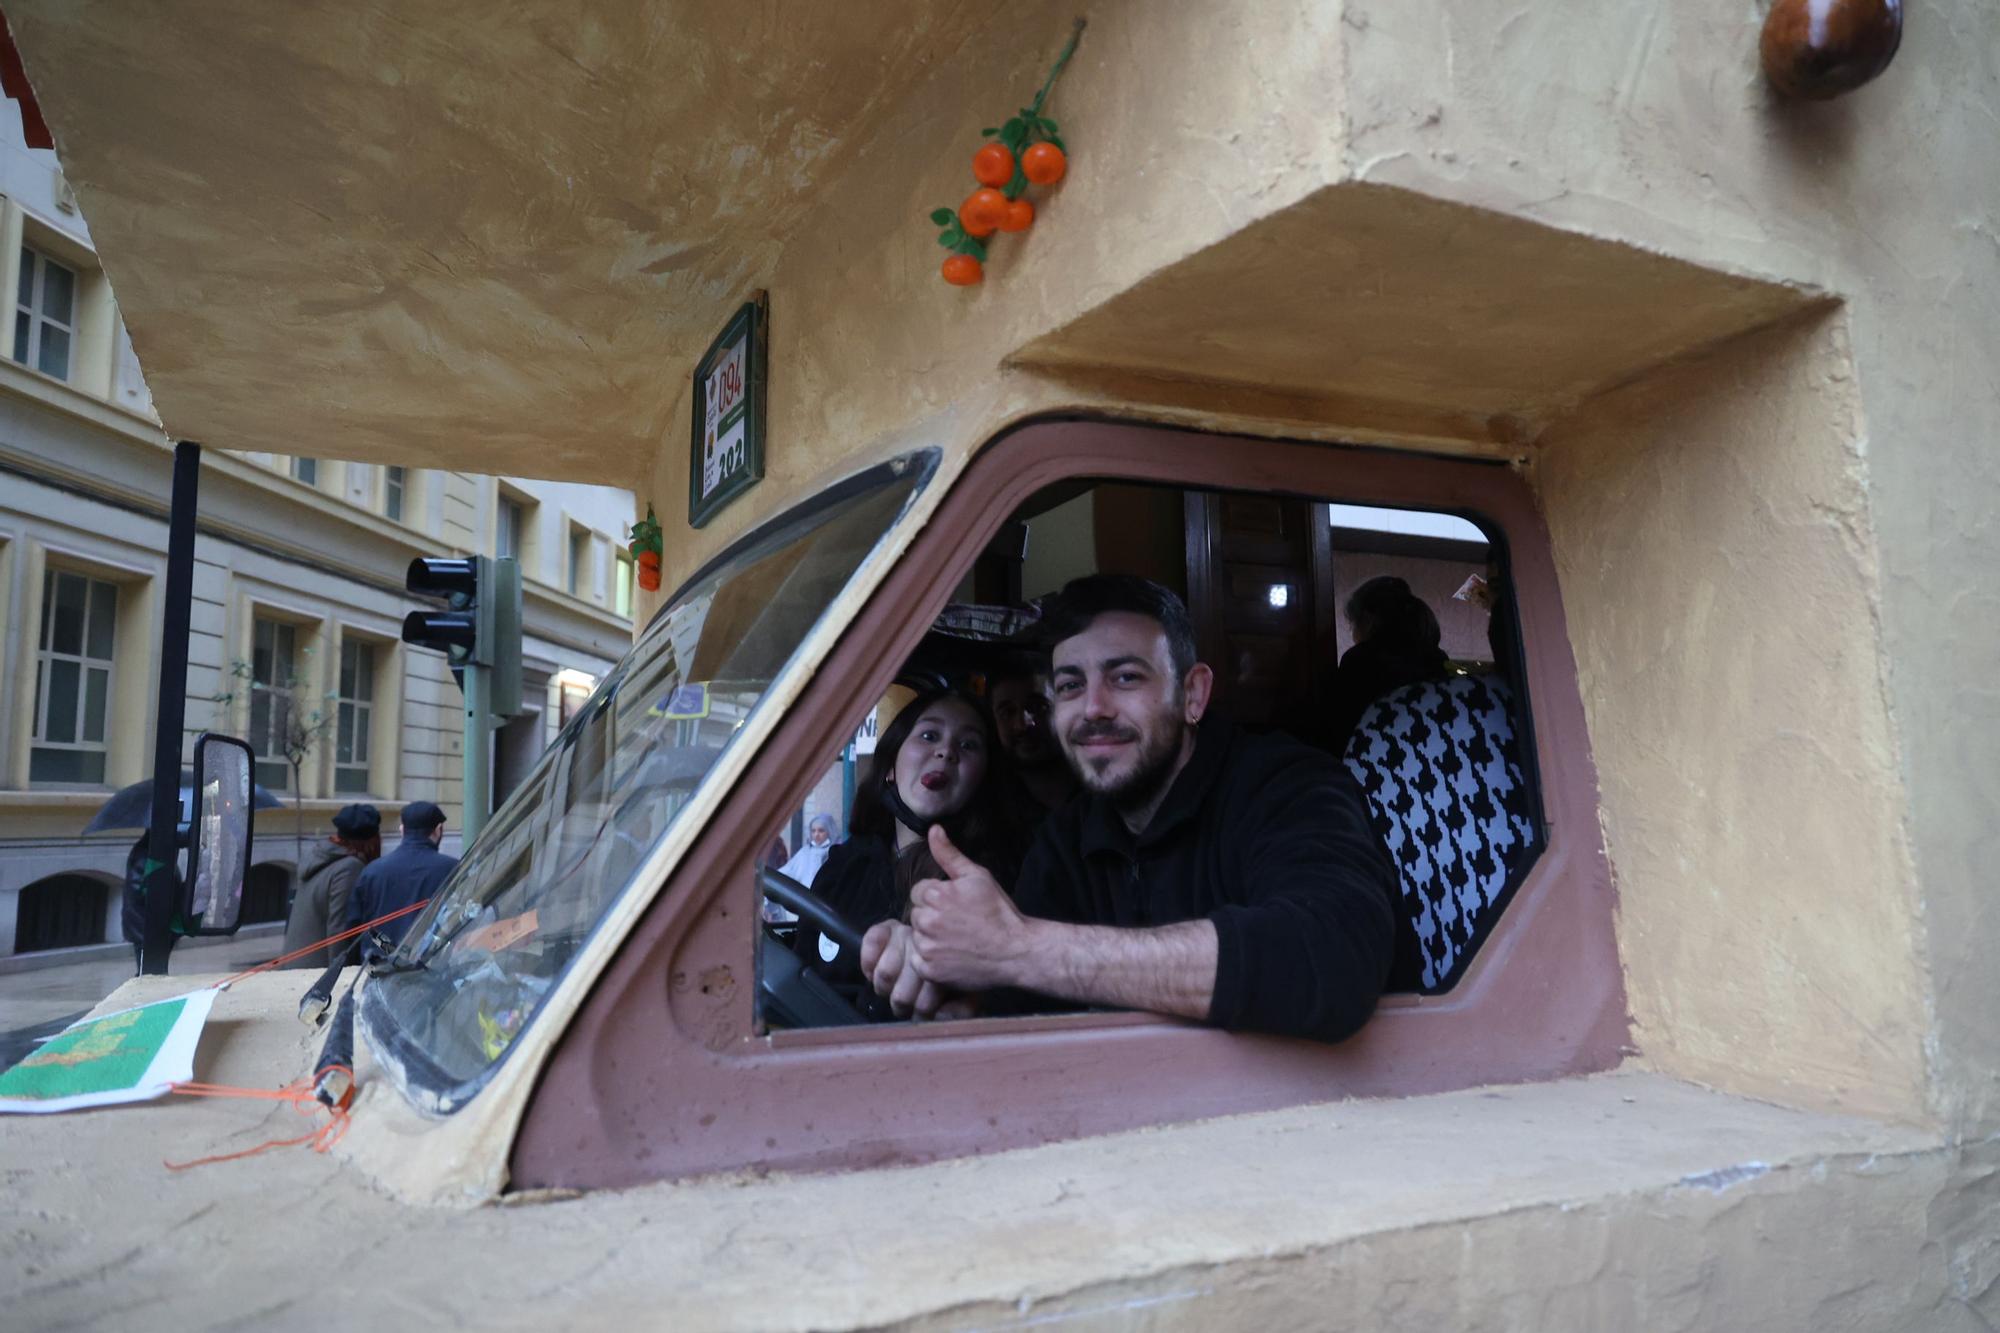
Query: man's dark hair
[
  {"x": 1015, "y": 664},
  {"x": 1083, "y": 600}
]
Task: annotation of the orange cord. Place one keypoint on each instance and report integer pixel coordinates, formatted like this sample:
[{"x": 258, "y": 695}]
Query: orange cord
[
  {"x": 298, "y": 1093},
  {"x": 341, "y": 938}
]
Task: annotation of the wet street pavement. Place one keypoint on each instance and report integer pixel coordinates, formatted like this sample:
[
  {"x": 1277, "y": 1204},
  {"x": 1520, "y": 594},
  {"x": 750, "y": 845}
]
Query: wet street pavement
[{"x": 37, "y": 1004}]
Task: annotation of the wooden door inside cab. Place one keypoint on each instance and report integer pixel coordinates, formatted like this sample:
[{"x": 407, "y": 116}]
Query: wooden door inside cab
[{"x": 1260, "y": 592}]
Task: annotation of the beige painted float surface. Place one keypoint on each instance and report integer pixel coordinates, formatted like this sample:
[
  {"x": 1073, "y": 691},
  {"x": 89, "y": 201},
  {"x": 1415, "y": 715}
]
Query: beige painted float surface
[
  {"x": 526, "y": 221},
  {"x": 428, "y": 241},
  {"x": 1766, "y": 938},
  {"x": 1627, "y": 1200}
]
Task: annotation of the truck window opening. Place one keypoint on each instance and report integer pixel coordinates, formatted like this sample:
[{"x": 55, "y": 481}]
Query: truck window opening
[{"x": 1385, "y": 637}]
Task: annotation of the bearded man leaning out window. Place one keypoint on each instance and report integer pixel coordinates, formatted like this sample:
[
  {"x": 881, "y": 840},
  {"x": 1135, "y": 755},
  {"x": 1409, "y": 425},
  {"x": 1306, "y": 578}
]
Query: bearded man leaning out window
[{"x": 1202, "y": 871}]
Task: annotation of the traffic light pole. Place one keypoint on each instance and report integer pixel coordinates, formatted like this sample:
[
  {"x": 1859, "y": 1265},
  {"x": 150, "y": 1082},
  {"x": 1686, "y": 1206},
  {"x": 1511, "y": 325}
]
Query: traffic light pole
[{"x": 478, "y": 750}]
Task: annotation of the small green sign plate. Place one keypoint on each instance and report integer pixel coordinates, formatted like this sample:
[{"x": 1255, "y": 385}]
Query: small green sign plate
[{"x": 726, "y": 456}]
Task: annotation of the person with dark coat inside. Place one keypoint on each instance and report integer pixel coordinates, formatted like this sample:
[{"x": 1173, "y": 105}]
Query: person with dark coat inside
[
  {"x": 326, "y": 882},
  {"x": 1203, "y": 872},
  {"x": 408, "y": 875},
  {"x": 1397, "y": 642},
  {"x": 1019, "y": 689}
]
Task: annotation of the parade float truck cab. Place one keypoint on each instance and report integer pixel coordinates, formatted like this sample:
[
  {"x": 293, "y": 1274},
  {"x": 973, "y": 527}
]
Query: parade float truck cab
[
  {"x": 633, "y": 854},
  {"x": 1671, "y": 398}
]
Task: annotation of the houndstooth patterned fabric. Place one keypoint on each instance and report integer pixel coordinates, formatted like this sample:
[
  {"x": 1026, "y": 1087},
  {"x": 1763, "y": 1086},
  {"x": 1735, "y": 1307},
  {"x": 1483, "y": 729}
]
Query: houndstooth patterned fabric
[{"x": 1439, "y": 765}]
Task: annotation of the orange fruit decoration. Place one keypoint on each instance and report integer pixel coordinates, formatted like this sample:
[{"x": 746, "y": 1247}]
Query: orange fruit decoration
[
  {"x": 1025, "y": 150},
  {"x": 993, "y": 165},
  {"x": 1044, "y": 164},
  {"x": 983, "y": 211}
]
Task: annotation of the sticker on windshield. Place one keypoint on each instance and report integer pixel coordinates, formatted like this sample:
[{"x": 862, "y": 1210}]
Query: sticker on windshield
[{"x": 687, "y": 703}]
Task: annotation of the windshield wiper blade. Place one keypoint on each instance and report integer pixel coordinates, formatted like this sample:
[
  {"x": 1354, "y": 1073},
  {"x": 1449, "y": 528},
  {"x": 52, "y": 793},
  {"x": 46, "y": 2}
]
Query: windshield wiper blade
[{"x": 384, "y": 964}]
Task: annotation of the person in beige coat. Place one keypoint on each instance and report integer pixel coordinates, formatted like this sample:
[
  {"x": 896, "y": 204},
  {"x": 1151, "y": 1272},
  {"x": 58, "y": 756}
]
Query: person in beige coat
[{"x": 319, "y": 908}]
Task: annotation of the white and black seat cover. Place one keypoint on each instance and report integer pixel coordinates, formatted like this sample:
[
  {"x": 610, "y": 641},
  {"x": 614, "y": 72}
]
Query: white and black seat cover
[{"x": 1442, "y": 772}]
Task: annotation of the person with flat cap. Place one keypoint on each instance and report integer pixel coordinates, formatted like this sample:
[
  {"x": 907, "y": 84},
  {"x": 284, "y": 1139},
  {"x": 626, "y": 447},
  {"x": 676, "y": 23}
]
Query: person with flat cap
[
  {"x": 326, "y": 882},
  {"x": 407, "y": 875}
]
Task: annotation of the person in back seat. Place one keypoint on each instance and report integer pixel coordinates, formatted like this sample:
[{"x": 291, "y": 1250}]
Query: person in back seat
[
  {"x": 1202, "y": 871},
  {"x": 1397, "y": 642},
  {"x": 1019, "y": 688}
]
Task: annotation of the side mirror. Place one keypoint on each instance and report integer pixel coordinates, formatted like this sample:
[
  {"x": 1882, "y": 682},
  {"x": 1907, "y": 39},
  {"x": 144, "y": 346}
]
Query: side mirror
[{"x": 219, "y": 829}]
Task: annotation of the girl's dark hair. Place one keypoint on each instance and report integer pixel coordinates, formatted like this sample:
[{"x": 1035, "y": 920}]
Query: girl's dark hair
[{"x": 981, "y": 829}]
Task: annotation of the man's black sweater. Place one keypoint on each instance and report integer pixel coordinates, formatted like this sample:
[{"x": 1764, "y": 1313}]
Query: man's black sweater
[{"x": 1265, "y": 837}]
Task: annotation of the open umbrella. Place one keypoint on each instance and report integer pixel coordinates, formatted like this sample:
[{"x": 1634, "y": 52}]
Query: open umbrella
[{"x": 132, "y": 807}]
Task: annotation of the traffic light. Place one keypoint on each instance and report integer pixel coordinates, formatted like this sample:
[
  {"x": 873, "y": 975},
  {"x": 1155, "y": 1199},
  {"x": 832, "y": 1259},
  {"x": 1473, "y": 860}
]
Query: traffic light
[
  {"x": 480, "y": 632},
  {"x": 454, "y": 581},
  {"x": 481, "y": 622}
]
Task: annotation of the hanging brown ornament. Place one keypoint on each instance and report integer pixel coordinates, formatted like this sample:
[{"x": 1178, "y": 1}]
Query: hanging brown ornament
[{"x": 1822, "y": 48}]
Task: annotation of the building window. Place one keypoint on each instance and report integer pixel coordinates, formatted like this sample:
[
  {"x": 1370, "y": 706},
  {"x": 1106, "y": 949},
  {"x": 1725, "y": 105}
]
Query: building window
[
  {"x": 60, "y": 912},
  {"x": 579, "y": 562},
  {"x": 623, "y": 592},
  {"x": 394, "y": 482},
  {"x": 306, "y": 470},
  {"x": 356, "y": 704},
  {"x": 507, "y": 537},
  {"x": 45, "y": 315},
  {"x": 273, "y": 655},
  {"x": 73, "y": 678},
  {"x": 267, "y": 893}
]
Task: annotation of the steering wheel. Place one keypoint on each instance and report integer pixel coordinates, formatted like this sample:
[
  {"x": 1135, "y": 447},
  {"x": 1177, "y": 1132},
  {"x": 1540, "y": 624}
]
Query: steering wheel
[
  {"x": 795, "y": 897},
  {"x": 792, "y": 993}
]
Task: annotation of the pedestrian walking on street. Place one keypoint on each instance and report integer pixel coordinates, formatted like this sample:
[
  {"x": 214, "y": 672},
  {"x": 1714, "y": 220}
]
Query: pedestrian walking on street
[
  {"x": 407, "y": 875},
  {"x": 327, "y": 879}
]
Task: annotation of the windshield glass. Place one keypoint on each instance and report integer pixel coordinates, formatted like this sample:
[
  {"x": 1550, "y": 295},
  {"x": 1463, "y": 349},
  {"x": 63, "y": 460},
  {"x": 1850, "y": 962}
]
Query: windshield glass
[{"x": 503, "y": 928}]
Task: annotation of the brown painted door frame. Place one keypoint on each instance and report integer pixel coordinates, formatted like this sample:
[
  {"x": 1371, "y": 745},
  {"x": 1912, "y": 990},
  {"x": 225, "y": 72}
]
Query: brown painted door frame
[{"x": 663, "y": 1073}]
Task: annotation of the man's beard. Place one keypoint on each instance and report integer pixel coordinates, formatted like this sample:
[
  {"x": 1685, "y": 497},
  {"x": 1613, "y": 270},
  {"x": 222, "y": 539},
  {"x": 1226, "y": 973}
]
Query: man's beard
[{"x": 1152, "y": 768}]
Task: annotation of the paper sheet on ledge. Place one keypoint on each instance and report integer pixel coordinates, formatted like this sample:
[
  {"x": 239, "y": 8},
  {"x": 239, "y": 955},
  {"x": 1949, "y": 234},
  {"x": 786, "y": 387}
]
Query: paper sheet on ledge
[{"x": 133, "y": 1055}]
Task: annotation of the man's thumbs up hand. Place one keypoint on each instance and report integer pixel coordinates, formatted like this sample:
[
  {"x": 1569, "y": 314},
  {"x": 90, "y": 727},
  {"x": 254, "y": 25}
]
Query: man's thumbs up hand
[
  {"x": 945, "y": 852},
  {"x": 967, "y": 932}
]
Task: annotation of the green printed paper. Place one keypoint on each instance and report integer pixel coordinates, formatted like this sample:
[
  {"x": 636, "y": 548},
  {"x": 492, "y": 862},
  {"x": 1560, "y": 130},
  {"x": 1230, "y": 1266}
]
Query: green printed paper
[{"x": 132, "y": 1055}]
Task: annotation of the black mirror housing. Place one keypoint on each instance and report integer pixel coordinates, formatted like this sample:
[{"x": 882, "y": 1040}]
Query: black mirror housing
[{"x": 221, "y": 821}]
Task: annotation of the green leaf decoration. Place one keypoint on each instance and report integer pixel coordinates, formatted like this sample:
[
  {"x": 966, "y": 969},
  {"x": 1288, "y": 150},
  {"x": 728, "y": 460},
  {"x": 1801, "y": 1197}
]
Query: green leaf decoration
[
  {"x": 941, "y": 216},
  {"x": 1048, "y": 126},
  {"x": 944, "y": 238},
  {"x": 1057, "y": 142},
  {"x": 968, "y": 246},
  {"x": 1014, "y": 133},
  {"x": 989, "y": 131}
]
